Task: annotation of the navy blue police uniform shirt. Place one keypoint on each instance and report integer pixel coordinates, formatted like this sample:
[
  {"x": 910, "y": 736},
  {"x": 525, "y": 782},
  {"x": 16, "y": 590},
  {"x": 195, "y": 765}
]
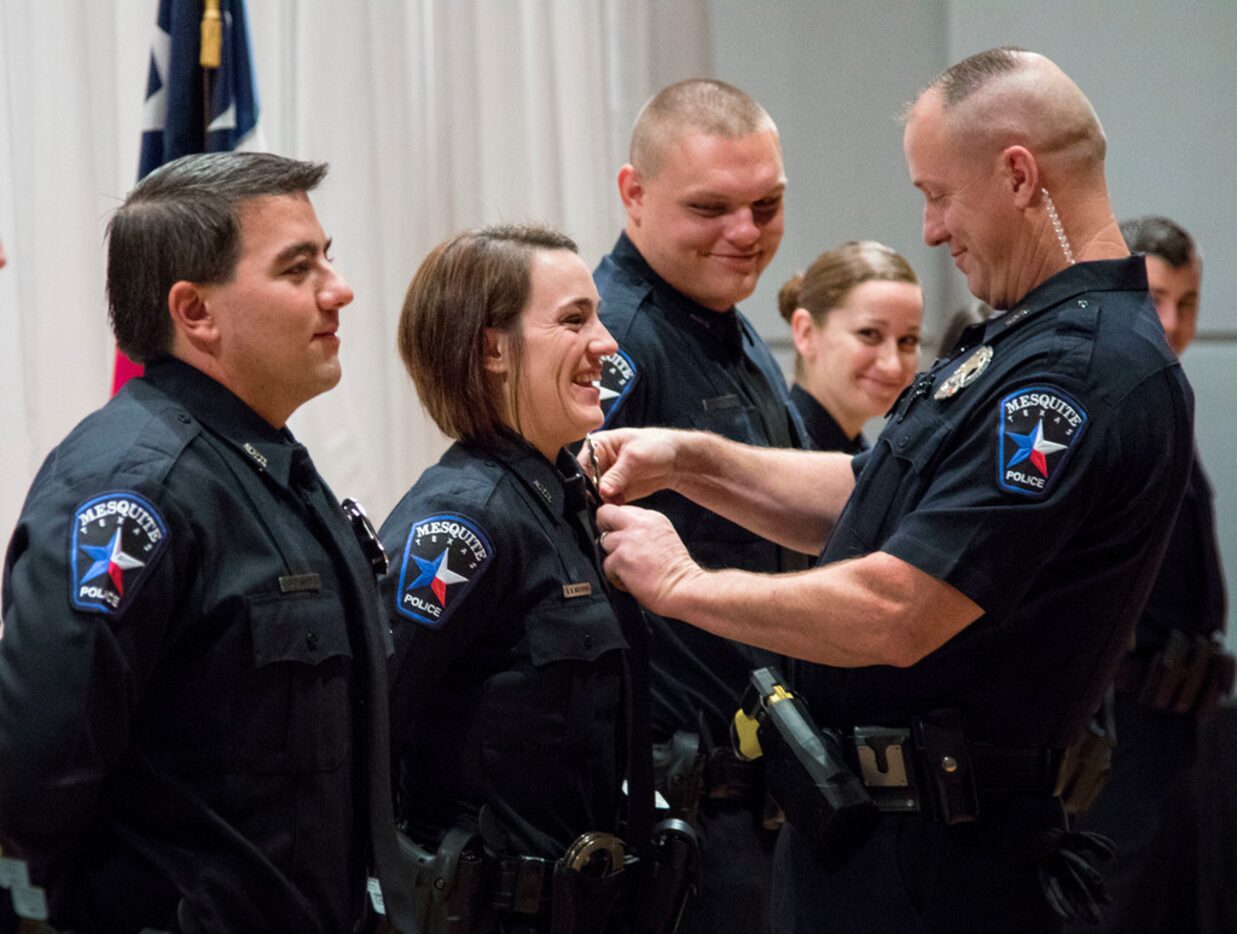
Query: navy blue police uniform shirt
[
  {"x": 507, "y": 686},
  {"x": 1188, "y": 595},
  {"x": 682, "y": 365},
  {"x": 186, "y": 683},
  {"x": 1043, "y": 486},
  {"x": 823, "y": 431}
]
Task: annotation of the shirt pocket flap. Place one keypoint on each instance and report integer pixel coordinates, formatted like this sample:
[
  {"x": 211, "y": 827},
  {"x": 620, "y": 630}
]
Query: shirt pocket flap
[
  {"x": 575, "y": 629},
  {"x": 302, "y": 627}
]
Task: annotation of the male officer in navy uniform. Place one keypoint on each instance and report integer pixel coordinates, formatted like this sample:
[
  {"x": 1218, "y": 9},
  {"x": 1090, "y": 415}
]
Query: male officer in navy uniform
[
  {"x": 1177, "y": 668},
  {"x": 986, "y": 560},
  {"x": 193, "y": 704},
  {"x": 703, "y": 196}
]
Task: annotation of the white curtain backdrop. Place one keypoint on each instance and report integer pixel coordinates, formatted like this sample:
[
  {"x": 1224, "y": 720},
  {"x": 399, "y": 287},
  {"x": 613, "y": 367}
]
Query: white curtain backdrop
[{"x": 435, "y": 115}]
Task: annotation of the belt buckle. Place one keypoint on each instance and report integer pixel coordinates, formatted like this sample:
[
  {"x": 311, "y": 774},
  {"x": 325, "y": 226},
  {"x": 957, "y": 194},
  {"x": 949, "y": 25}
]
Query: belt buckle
[{"x": 886, "y": 766}]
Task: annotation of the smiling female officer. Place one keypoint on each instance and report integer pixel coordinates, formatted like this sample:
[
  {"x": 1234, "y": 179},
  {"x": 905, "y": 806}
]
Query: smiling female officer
[
  {"x": 514, "y": 667},
  {"x": 855, "y": 315}
]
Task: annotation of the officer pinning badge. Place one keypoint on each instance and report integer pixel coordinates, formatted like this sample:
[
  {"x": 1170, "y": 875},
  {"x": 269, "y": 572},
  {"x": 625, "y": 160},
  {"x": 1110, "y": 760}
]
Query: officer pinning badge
[
  {"x": 443, "y": 557},
  {"x": 116, "y": 539},
  {"x": 1037, "y": 428},
  {"x": 618, "y": 375},
  {"x": 966, "y": 373}
]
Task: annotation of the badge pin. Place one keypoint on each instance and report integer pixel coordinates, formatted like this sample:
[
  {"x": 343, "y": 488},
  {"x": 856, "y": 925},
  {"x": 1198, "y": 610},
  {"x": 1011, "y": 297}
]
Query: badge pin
[
  {"x": 258, "y": 457},
  {"x": 967, "y": 372}
]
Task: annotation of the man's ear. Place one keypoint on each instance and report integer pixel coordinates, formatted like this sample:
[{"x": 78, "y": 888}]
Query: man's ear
[
  {"x": 803, "y": 332},
  {"x": 497, "y": 360},
  {"x": 631, "y": 190},
  {"x": 1022, "y": 172},
  {"x": 191, "y": 316}
]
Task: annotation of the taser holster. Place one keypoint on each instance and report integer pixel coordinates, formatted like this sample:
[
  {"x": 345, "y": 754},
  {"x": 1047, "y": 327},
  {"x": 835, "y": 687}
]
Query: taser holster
[{"x": 806, "y": 772}]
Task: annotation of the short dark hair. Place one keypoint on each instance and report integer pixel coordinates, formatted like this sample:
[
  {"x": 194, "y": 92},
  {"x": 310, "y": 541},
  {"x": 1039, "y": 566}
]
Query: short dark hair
[
  {"x": 182, "y": 222},
  {"x": 476, "y": 280},
  {"x": 1160, "y": 237}
]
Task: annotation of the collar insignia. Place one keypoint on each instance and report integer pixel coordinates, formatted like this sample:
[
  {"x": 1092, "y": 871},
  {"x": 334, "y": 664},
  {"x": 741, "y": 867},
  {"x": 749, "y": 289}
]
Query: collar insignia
[{"x": 258, "y": 457}]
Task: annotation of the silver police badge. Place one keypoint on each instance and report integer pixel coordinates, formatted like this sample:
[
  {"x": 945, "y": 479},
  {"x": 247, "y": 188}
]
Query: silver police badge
[{"x": 967, "y": 372}]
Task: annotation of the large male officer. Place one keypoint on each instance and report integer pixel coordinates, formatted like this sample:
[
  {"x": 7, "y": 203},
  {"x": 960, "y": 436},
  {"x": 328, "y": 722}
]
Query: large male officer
[
  {"x": 192, "y": 690},
  {"x": 986, "y": 560},
  {"x": 703, "y": 196},
  {"x": 1177, "y": 668}
]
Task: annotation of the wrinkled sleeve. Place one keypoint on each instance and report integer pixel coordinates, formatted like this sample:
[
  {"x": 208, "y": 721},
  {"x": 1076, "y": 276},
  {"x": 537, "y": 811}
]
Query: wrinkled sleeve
[
  {"x": 71, "y": 677},
  {"x": 991, "y": 543}
]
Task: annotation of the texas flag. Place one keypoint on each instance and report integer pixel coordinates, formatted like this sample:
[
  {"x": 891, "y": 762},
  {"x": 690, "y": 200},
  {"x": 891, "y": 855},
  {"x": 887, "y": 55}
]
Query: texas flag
[{"x": 200, "y": 94}]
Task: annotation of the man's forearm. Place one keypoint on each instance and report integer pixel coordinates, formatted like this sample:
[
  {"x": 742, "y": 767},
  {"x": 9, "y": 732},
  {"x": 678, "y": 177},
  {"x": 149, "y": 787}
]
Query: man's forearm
[
  {"x": 787, "y": 496},
  {"x": 875, "y": 610}
]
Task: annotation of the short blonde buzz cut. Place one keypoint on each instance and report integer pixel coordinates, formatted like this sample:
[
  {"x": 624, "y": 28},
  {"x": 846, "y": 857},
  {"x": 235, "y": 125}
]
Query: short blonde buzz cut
[{"x": 704, "y": 105}]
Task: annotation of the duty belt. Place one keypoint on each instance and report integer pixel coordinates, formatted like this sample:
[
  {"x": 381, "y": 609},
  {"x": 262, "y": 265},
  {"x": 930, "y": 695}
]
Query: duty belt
[
  {"x": 1190, "y": 673},
  {"x": 523, "y": 884},
  {"x": 930, "y": 767},
  {"x": 461, "y": 887}
]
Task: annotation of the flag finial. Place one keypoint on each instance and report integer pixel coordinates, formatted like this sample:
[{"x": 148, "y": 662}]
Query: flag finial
[{"x": 212, "y": 35}]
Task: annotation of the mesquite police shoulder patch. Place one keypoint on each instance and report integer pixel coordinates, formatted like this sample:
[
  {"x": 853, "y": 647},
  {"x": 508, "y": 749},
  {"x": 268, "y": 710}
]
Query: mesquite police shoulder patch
[
  {"x": 618, "y": 375},
  {"x": 115, "y": 541},
  {"x": 443, "y": 557},
  {"x": 1038, "y": 428}
]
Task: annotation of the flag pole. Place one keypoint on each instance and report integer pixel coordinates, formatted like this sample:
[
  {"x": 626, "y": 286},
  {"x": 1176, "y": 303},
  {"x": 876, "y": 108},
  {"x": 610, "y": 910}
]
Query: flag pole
[{"x": 210, "y": 55}]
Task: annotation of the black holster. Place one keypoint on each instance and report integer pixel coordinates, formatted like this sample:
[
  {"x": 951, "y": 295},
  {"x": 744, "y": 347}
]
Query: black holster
[
  {"x": 806, "y": 771},
  {"x": 670, "y": 880},
  {"x": 449, "y": 891},
  {"x": 1085, "y": 768},
  {"x": 678, "y": 773}
]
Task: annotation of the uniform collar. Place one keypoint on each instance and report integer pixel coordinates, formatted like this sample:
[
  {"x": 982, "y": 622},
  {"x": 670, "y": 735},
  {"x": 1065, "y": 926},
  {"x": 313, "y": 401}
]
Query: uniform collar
[
  {"x": 268, "y": 449},
  {"x": 1128, "y": 274},
  {"x": 545, "y": 480},
  {"x": 825, "y": 432},
  {"x": 721, "y": 326}
]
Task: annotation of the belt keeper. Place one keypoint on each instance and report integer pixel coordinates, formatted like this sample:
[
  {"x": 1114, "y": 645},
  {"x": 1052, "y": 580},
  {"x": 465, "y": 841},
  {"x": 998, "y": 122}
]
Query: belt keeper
[{"x": 524, "y": 877}]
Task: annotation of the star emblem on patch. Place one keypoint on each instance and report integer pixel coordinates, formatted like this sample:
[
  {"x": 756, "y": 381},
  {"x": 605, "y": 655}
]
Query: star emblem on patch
[
  {"x": 618, "y": 375},
  {"x": 1037, "y": 429},
  {"x": 116, "y": 538},
  {"x": 443, "y": 557}
]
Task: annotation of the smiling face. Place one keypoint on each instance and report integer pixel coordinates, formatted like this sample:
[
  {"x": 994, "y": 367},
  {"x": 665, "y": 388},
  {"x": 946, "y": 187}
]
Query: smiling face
[
  {"x": 864, "y": 353},
  {"x": 276, "y": 318},
  {"x": 966, "y": 205},
  {"x": 556, "y": 401},
  {"x": 711, "y": 219}
]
